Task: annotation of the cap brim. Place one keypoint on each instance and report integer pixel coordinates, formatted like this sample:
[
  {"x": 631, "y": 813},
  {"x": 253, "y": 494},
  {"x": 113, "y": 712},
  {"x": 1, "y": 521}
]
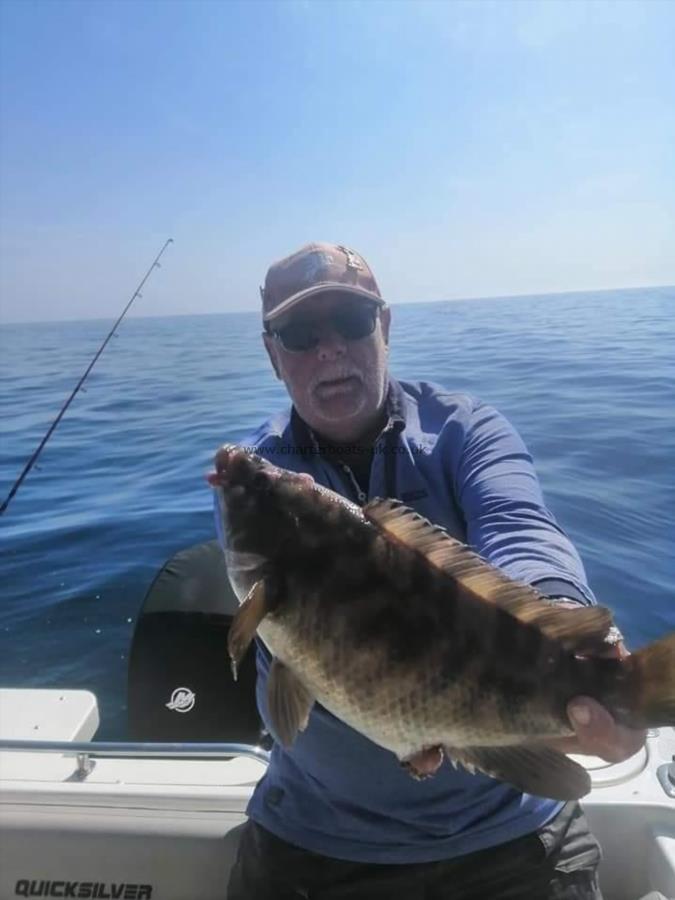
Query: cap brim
[{"x": 322, "y": 288}]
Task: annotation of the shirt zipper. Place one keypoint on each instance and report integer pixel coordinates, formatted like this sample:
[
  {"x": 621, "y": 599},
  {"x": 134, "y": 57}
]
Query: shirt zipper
[{"x": 361, "y": 497}]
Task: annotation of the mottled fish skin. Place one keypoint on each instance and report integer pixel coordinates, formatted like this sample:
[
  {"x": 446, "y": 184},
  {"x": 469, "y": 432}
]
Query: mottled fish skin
[{"x": 405, "y": 653}]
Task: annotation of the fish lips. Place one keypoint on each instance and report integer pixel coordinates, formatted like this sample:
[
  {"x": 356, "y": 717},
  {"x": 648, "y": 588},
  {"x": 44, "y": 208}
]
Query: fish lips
[
  {"x": 235, "y": 464},
  {"x": 227, "y": 457}
]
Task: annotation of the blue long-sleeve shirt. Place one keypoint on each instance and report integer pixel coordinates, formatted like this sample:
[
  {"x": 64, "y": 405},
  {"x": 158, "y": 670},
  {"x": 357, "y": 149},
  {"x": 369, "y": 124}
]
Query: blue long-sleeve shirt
[{"x": 463, "y": 466}]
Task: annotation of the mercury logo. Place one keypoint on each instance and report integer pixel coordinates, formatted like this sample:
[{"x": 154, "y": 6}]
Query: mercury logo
[{"x": 182, "y": 700}]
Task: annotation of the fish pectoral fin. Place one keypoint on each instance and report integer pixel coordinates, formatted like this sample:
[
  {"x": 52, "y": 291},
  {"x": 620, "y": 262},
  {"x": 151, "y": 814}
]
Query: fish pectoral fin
[
  {"x": 289, "y": 702},
  {"x": 579, "y": 629},
  {"x": 532, "y": 769},
  {"x": 245, "y": 622}
]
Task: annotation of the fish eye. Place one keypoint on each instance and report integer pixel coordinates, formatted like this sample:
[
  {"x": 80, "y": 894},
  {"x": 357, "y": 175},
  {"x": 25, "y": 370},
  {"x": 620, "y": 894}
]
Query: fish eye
[{"x": 260, "y": 481}]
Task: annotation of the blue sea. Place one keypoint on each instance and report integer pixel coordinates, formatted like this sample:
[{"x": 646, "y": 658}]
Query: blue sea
[{"x": 587, "y": 378}]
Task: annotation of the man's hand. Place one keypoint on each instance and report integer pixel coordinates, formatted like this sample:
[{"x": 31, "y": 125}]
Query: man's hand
[{"x": 597, "y": 734}]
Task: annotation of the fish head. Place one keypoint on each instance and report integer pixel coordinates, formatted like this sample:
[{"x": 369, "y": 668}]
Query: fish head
[
  {"x": 258, "y": 500},
  {"x": 267, "y": 515}
]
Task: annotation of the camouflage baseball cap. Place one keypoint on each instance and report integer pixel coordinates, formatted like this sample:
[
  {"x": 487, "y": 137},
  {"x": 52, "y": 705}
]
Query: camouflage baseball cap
[{"x": 315, "y": 269}]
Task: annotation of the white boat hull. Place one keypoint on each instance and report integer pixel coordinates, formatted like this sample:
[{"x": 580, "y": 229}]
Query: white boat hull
[{"x": 167, "y": 828}]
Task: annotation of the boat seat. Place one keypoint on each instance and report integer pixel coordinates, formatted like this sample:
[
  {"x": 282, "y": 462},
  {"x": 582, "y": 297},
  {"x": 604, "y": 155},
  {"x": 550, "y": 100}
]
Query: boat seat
[{"x": 180, "y": 685}]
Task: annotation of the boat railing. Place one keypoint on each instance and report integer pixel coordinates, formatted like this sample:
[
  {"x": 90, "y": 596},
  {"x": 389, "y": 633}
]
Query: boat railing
[{"x": 86, "y": 751}]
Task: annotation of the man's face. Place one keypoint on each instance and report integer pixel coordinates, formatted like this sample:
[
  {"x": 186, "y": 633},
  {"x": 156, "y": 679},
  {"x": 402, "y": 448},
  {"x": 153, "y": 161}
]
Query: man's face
[{"x": 339, "y": 385}]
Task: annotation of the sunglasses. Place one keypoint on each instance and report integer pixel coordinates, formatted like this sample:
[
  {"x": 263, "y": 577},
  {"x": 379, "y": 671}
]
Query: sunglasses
[{"x": 351, "y": 322}]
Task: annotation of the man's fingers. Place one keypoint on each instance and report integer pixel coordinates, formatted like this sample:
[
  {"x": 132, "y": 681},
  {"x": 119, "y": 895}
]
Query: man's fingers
[{"x": 597, "y": 733}]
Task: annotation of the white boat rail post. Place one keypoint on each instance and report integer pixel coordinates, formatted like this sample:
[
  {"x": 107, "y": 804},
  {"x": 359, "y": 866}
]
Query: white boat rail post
[
  {"x": 85, "y": 766},
  {"x": 666, "y": 775}
]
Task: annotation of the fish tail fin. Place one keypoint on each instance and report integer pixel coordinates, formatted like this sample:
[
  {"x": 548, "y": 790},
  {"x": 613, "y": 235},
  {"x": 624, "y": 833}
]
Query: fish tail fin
[{"x": 654, "y": 666}]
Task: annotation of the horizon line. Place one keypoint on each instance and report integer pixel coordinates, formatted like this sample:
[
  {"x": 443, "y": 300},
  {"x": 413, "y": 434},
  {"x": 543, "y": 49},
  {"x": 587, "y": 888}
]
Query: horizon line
[{"x": 250, "y": 311}]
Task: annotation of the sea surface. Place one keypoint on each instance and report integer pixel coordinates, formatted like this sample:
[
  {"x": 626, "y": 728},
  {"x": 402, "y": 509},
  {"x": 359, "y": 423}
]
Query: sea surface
[{"x": 587, "y": 378}]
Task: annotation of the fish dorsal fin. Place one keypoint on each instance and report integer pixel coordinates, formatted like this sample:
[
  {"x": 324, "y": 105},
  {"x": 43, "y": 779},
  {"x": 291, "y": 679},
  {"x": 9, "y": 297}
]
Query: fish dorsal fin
[{"x": 585, "y": 627}]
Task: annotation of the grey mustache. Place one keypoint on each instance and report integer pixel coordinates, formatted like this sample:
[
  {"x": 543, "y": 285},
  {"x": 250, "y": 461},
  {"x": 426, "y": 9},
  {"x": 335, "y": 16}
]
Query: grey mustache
[{"x": 335, "y": 376}]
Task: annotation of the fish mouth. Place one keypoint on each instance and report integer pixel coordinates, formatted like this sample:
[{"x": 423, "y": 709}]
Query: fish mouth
[
  {"x": 225, "y": 457},
  {"x": 230, "y": 461},
  {"x": 235, "y": 464}
]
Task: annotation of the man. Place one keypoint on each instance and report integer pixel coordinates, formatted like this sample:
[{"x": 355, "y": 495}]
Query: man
[{"x": 335, "y": 815}]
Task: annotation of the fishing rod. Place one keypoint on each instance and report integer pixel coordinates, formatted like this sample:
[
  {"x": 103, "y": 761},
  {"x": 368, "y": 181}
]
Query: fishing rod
[{"x": 31, "y": 462}]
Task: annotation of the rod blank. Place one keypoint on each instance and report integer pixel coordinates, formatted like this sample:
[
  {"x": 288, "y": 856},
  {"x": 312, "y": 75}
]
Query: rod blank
[{"x": 33, "y": 459}]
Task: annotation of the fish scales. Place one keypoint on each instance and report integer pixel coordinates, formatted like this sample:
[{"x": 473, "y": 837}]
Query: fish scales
[
  {"x": 407, "y": 701},
  {"x": 405, "y": 635}
]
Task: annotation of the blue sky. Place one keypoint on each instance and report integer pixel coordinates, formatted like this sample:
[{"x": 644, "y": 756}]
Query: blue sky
[{"x": 466, "y": 149}]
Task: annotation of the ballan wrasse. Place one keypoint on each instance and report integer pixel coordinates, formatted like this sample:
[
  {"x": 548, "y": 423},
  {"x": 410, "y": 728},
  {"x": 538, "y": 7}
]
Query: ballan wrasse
[{"x": 412, "y": 639}]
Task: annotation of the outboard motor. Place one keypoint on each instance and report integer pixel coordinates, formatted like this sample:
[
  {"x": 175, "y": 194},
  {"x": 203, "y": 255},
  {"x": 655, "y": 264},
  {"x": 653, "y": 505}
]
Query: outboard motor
[{"x": 180, "y": 685}]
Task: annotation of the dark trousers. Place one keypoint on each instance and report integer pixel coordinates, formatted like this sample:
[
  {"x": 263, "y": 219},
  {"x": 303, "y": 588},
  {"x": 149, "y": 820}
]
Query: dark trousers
[{"x": 558, "y": 862}]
